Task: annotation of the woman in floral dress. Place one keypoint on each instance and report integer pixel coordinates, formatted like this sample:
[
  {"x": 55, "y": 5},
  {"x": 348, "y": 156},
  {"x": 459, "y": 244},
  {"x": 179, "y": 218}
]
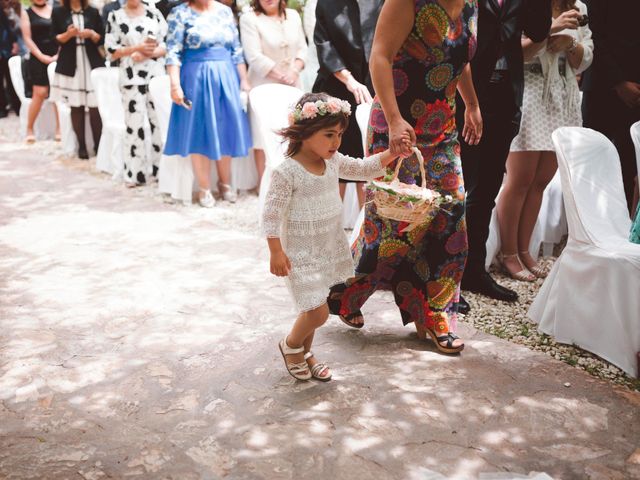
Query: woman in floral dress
[{"x": 419, "y": 59}]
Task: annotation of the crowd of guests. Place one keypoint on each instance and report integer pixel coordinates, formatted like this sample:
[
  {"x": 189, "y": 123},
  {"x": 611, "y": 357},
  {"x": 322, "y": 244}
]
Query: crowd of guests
[{"x": 536, "y": 58}]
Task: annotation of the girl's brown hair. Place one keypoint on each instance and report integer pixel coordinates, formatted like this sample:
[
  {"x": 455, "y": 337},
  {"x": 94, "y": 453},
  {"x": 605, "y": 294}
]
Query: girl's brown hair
[
  {"x": 300, "y": 131},
  {"x": 255, "y": 4}
]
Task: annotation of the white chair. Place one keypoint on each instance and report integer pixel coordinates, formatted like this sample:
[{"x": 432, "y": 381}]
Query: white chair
[
  {"x": 591, "y": 296},
  {"x": 69, "y": 140},
  {"x": 635, "y": 136},
  {"x": 105, "y": 82},
  {"x": 45, "y": 125},
  {"x": 270, "y": 103}
]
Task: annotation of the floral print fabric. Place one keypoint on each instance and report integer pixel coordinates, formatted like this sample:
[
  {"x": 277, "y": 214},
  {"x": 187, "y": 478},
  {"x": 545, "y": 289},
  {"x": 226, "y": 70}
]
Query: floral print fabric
[
  {"x": 422, "y": 267},
  {"x": 189, "y": 29}
]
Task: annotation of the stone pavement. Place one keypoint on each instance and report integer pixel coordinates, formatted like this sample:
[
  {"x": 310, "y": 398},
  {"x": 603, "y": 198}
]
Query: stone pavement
[{"x": 139, "y": 339}]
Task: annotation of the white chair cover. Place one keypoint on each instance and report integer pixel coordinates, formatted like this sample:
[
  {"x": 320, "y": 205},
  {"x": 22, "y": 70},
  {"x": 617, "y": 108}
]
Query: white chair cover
[
  {"x": 270, "y": 104},
  {"x": 591, "y": 296},
  {"x": 175, "y": 174},
  {"x": 105, "y": 81},
  {"x": 69, "y": 140},
  {"x": 550, "y": 227},
  {"x": 635, "y": 136},
  {"x": 45, "y": 126}
]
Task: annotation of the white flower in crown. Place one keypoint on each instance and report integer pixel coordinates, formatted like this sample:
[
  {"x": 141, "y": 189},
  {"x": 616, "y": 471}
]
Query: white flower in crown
[{"x": 310, "y": 110}]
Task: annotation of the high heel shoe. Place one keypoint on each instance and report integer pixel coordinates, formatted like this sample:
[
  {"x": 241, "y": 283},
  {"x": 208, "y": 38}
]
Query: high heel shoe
[
  {"x": 227, "y": 192},
  {"x": 537, "y": 270},
  {"x": 449, "y": 338},
  {"x": 206, "y": 200},
  {"x": 523, "y": 275}
]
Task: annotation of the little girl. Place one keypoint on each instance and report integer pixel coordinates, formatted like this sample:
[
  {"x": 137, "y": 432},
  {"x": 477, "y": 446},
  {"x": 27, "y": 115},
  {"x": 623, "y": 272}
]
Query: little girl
[{"x": 302, "y": 219}]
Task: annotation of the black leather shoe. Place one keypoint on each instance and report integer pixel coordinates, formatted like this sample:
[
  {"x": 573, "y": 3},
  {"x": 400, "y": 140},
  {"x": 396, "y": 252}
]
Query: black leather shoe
[
  {"x": 463, "y": 306},
  {"x": 484, "y": 284},
  {"x": 83, "y": 154}
]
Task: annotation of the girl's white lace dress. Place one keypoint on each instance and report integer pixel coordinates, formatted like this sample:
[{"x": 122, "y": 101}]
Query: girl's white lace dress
[{"x": 304, "y": 210}]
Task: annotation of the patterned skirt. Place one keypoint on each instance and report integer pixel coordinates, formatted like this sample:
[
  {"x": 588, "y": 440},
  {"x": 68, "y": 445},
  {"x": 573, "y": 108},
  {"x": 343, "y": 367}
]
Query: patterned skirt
[{"x": 76, "y": 91}]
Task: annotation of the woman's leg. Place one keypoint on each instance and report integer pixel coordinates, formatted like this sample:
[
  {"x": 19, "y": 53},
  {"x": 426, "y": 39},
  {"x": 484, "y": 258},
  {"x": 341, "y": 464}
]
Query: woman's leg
[
  {"x": 57, "y": 114},
  {"x": 521, "y": 170},
  {"x": 38, "y": 97},
  {"x": 202, "y": 171},
  {"x": 96, "y": 126},
  {"x": 134, "y": 155},
  {"x": 156, "y": 135},
  {"x": 224, "y": 179},
  {"x": 547, "y": 167},
  {"x": 259, "y": 158},
  {"x": 77, "y": 122}
]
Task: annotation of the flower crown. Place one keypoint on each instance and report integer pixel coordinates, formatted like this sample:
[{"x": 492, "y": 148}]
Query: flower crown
[{"x": 310, "y": 110}]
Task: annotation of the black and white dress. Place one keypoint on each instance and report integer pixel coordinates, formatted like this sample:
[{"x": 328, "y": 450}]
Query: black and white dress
[
  {"x": 125, "y": 31},
  {"x": 76, "y": 91}
]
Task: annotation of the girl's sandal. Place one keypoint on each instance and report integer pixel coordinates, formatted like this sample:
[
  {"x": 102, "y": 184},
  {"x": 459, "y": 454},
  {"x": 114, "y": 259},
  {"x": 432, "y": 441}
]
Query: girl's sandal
[
  {"x": 438, "y": 340},
  {"x": 318, "y": 369},
  {"x": 299, "y": 371},
  {"x": 537, "y": 271},
  {"x": 348, "y": 319}
]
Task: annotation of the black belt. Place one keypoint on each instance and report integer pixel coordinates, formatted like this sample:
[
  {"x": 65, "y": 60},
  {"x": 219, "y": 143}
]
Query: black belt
[{"x": 537, "y": 68}]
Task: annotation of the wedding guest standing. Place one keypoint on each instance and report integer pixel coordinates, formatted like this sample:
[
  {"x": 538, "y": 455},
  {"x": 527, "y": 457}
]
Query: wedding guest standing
[
  {"x": 551, "y": 100},
  {"x": 79, "y": 31},
  {"x": 498, "y": 76},
  {"x": 275, "y": 49},
  {"x": 611, "y": 101},
  {"x": 207, "y": 71},
  {"x": 8, "y": 48},
  {"x": 135, "y": 36},
  {"x": 343, "y": 36},
  {"x": 35, "y": 23}
]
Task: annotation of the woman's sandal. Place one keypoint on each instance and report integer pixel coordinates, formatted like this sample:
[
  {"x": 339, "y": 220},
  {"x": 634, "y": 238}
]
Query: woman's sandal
[
  {"x": 228, "y": 194},
  {"x": 538, "y": 271},
  {"x": 449, "y": 338},
  {"x": 523, "y": 275},
  {"x": 318, "y": 369},
  {"x": 30, "y": 139},
  {"x": 348, "y": 319},
  {"x": 299, "y": 371}
]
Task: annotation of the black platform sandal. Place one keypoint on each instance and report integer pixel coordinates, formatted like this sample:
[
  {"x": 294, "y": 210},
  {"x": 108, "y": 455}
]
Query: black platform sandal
[{"x": 347, "y": 319}]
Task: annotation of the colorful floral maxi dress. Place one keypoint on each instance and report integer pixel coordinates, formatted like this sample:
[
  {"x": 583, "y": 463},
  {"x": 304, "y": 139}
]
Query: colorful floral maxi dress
[{"x": 423, "y": 267}]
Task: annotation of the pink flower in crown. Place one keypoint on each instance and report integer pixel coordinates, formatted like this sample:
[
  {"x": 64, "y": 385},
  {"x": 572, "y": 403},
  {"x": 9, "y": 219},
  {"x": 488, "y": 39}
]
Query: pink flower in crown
[
  {"x": 334, "y": 106},
  {"x": 309, "y": 110}
]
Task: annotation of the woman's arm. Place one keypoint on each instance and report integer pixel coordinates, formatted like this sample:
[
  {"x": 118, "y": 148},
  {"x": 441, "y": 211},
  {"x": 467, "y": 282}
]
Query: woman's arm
[
  {"x": 25, "y": 27},
  {"x": 472, "y": 130},
  {"x": 260, "y": 63},
  {"x": 245, "y": 86},
  {"x": 530, "y": 49},
  {"x": 581, "y": 57},
  {"x": 60, "y": 33},
  {"x": 394, "y": 25},
  {"x": 175, "y": 45}
]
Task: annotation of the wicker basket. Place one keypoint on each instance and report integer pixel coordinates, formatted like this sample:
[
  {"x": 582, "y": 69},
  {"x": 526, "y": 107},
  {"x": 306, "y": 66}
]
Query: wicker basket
[{"x": 413, "y": 204}]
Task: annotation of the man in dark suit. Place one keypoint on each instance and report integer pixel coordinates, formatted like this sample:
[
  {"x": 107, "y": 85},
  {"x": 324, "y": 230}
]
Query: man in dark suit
[
  {"x": 611, "y": 100},
  {"x": 498, "y": 76},
  {"x": 343, "y": 36}
]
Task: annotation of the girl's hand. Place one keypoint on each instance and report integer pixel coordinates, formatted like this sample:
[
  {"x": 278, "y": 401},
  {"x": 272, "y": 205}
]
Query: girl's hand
[
  {"x": 569, "y": 19},
  {"x": 398, "y": 132},
  {"x": 177, "y": 95},
  {"x": 472, "y": 130},
  {"x": 280, "y": 264}
]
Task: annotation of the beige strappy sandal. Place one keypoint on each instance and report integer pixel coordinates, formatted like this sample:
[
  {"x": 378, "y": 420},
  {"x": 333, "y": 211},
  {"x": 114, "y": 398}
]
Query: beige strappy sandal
[
  {"x": 523, "y": 275},
  {"x": 538, "y": 271},
  {"x": 319, "y": 369},
  {"x": 299, "y": 371}
]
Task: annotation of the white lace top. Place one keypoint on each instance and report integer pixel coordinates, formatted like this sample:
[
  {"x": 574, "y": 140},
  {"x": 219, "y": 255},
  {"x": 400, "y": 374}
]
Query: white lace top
[{"x": 304, "y": 210}]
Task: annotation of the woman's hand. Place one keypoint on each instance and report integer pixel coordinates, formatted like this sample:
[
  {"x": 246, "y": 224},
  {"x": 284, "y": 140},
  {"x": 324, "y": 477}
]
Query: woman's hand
[
  {"x": 48, "y": 59},
  {"x": 569, "y": 19},
  {"x": 399, "y": 131},
  {"x": 359, "y": 91},
  {"x": 559, "y": 43},
  {"x": 245, "y": 86},
  {"x": 177, "y": 95},
  {"x": 138, "y": 56},
  {"x": 72, "y": 31},
  {"x": 629, "y": 93},
  {"x": 280, "y": 264},
  {"x": 472, "y": 130}
]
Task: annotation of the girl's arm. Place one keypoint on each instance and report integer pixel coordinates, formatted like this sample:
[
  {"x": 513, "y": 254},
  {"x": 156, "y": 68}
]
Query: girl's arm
[
  {"x": 367, "y": 168},
  {"x": 394, "y": 25},
  {"x": 472, "y": 130},
  {"x": 275, "y": 208}
]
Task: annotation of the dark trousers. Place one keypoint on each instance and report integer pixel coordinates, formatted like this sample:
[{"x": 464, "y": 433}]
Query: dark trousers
[
  {"x": 483, "y": 166},
  {"x": 8, "y": 95},
  {"x": 604, "y": 111}
]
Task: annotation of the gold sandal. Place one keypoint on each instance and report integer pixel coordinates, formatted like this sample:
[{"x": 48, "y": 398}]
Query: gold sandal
[
  {"x": 538, "y": 271},
  {"x": 523, "y": 275}
]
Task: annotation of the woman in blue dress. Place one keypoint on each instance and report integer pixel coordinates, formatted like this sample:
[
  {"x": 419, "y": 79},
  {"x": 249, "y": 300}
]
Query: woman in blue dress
[{"x": 207, "y": 72}]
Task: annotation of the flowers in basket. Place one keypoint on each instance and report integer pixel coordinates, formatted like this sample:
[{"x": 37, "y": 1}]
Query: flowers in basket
[{"x": 413, "y": 204}]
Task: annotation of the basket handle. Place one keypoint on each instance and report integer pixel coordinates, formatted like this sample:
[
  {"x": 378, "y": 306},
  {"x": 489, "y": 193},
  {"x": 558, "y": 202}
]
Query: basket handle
[{"x": 420, "y": 158}]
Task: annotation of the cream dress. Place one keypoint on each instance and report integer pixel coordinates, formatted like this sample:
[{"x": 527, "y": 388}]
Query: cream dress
[
  {"x": 269, "y": 42},
  {"x": 304, "y": 210}
]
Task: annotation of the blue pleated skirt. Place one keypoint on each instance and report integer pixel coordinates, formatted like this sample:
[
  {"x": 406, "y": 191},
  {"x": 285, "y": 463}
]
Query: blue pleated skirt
[{"x": 216, "y": 125}]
